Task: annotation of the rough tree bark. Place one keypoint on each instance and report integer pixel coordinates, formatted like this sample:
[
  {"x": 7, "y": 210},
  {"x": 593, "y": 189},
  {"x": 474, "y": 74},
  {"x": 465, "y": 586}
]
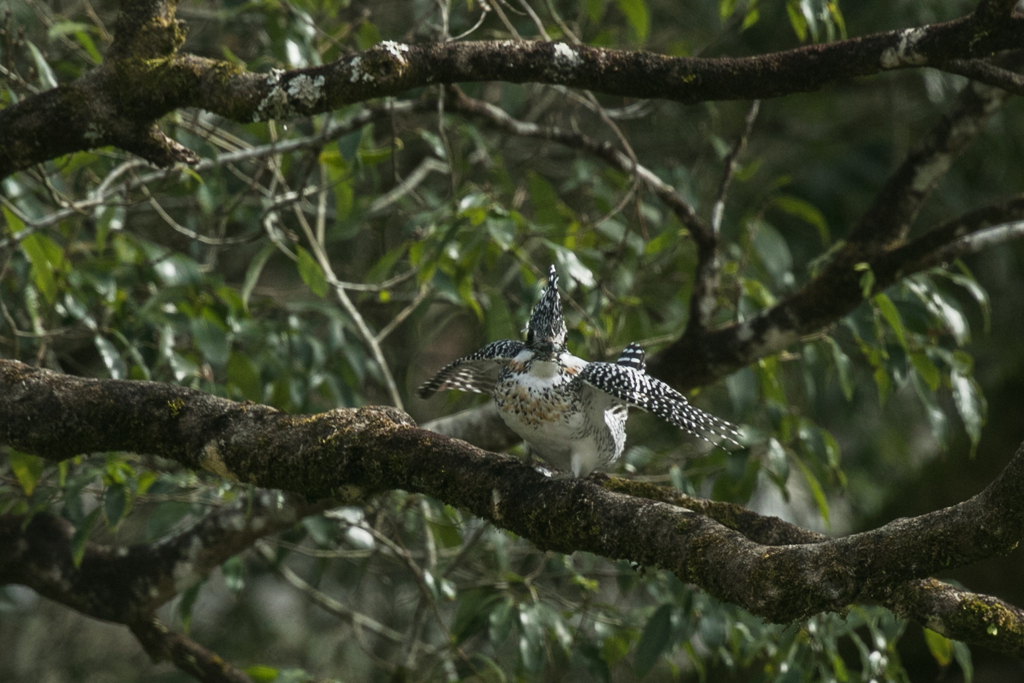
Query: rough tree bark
[
  {"x": 767, "y": 566},
  {"x": 144, "y": 76}
]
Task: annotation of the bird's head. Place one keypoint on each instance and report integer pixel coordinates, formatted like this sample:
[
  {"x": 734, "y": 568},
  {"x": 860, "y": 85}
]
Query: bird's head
[{"x": 546, "y": 332}]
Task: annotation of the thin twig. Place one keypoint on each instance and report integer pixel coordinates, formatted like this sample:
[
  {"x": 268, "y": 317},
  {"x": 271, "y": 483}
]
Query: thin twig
[
  {"x": 325, "y": 601},
  {"x": 731, "y": 164}
]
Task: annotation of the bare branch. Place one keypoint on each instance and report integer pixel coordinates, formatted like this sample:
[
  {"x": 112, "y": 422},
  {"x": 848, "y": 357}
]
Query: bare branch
[
  {"x": 329, "y": 604},
  {"x": 986, "y": 72},
  {"x": 705, "y": 277}
]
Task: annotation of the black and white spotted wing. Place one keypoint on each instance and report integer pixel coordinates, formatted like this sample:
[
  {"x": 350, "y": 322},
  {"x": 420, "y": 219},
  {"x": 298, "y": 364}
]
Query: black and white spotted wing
[
  {"x": 477, "y": 372},
  {"x": 637, "y": 388}
]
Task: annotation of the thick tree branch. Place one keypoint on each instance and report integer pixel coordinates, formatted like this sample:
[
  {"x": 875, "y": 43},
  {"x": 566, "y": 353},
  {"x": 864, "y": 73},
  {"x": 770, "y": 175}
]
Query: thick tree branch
[
  {"x": 955, "y": 613},
  {"x": 374, "y": 449},
  {"x": 960, "y": 615},
  {"x": 144, "y": 77}
]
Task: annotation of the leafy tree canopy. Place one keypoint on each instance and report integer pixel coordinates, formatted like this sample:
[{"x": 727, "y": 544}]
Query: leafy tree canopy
[{"x": 284, "y": 216}]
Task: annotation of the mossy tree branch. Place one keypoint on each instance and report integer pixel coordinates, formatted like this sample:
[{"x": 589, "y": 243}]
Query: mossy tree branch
[
  {"x": 774, "y": 570},
  {"x": 144, "y": 76}
]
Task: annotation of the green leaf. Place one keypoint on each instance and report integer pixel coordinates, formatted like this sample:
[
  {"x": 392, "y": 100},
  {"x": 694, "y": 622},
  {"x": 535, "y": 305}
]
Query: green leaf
[
  {"x": 531, "y": 638},
  {"x": 311, "y": 273},
  {"x": 544, "y": 200},
  {"x": 501, "y": 620},
  {"x": 752, "y": 16},
  {"x": 173, "y": 270},
  {"x": 926, "y": 369},
  {"x": 502, "y": 230},
  {"x": 844, "y": 367},
  {"x": 253, "y": 272},
  {"x": 243, "y": 373},
  {"x": 112, "y": 359},
  {"x": 474, "y": 612},
  {"x": 867, "y": 279},
  {"x": 188, "y": 600},
  {"x": 86, "y": 41},
  {"x": 773, "y": 252},
  {"x": 445, "y": 535},
  {"x": 46, "y": 77},
  {"x": 947, "y": 314},
  {"x": 806, "y": 212},
  {"x": 212, "y": 341},
  {"x": 967, "y": 281},
  {"x": 962, "y": 655},
  {"x": 616, "y": 646},
  {"x": 936, "y": 416},
  {"x": 653, "y": 641},
  {"x": 36, "y": 248},
  {"x": 940, "y": 646},
  {"x": 637, "y": 15},
  {"x": 769, "y": 375},
  {"x": 596, "y": 666},
  {"x": 81, "y": 536},
  {"x": 115, "y": 503},
  {"x": 888, "y": 310},
  {"x": 833, "y": 454},
  {"x": 233, "y": 571},
  {"x": 796, "y": 19},
  {"x": 27, "y": 469},
  {"x": 757, "y": 292},
  {"x": 498, "y": 319},
  {"x": 837, "y": 18},
  {"x": 969, "y": 403},
  {"x": 340, "y": 177},
  {"x": 367, "y": 36},
  {"x": 570, "y": 264},
  {"x": 777, "y": 463},
  {"x": 816, "y": 491},
  {"x": 468, "y": 296},
  {"x": 883, "y": 382},
  {"x": 14, "y": 224},
  {"x": 145, "y": 480},
  {"x": 80, "y": 32},
  {"x": 262, "y": 674},
  {"x": 63, "y": 28}
]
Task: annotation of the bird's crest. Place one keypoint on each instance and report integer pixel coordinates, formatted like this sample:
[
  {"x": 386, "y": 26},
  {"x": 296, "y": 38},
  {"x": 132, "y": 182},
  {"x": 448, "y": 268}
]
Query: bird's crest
[{"x": 546, "y": 321}]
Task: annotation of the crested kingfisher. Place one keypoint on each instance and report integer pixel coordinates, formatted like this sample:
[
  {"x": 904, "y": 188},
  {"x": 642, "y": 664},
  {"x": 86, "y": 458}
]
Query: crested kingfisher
[{"x": 572, "y": 413}]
